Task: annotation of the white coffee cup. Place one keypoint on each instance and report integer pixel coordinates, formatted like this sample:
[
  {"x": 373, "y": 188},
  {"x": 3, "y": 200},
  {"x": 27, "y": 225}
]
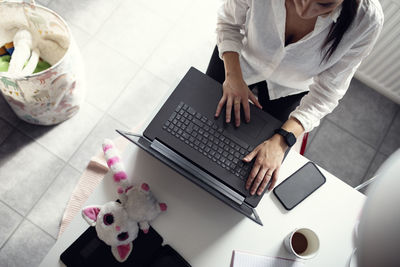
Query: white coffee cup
[{"x": 303, "y": 243}]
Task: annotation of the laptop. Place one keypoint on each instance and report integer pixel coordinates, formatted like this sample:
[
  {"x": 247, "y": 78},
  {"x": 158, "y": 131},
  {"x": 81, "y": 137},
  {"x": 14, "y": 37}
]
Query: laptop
[{"x": 186, "y": 136}]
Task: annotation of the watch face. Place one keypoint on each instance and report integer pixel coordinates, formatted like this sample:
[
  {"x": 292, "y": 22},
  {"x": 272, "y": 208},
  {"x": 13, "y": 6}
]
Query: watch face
[{"x": 291, "y": 139}]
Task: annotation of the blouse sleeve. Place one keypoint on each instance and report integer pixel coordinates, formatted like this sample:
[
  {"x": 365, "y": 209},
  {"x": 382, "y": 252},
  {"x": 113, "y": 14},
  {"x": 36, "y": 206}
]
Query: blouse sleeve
[
  {"x": 230, "y": 25},
  {"x": 330, "y": 86}
]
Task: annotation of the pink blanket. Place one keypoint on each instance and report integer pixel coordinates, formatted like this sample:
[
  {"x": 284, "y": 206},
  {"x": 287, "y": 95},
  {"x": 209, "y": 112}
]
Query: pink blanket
[{"x": 91, "y": 177}]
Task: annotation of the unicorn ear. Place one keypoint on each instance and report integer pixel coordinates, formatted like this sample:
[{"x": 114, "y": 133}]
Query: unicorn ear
[
  {"x": 122, "y": 252},
  {"x": 90, "y": 213}
]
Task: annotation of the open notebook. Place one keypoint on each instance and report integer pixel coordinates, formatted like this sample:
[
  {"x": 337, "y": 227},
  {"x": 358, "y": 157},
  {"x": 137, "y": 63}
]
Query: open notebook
[{"x": 245, "y": 259}]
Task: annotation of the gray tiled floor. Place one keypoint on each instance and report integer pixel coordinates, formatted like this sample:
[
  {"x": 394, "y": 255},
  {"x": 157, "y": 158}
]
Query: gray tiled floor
[
  {"x": 106, "y": 82},
  {"x": 47, "y": 213},
  {"x": 9, "y": 221},
  {"x": 363, "y": 131},
  {"x": 75, "y": 129},
  {"x": 125, "y": 45},
  {"x": 330, "y": 149},
  {"x": 392, "y": 140},
  {"x": 27, "y": 169},
  {"x": 26, "y": 247},
  {"x": 369, "y": 121},
  {"x": 6, "y": 129}
]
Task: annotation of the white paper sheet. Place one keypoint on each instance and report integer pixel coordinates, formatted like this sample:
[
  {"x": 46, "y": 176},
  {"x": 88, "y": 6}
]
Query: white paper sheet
[{"x": 245, "y": 259}]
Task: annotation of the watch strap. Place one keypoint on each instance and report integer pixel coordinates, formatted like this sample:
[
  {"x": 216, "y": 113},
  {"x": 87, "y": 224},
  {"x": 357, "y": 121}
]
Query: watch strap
[{"x": 289, "y": 137}]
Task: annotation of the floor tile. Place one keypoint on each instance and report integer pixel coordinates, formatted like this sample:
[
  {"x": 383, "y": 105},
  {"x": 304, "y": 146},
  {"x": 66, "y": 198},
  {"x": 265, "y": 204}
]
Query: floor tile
[
  {"x": 92, "y": 145},
  {"x": 80, "y": 36},
  {"x": 313, "y": 133},
  {"x": 376, "y": 163},
  {"x": 48, "y": 212},
  {"x": 5, "y": 130},
  {"x": 26, "y": 247},
  {"x": 190, "y": 43},
  {"x": 364, "y": 113},
  {"x": 27, "y": 169},
  {"x": 340, "y": 153},
  {"x": 88, "y": 14},
  {"x": 392, "y": 140},
  {"x": 172, "y": 10},
  {"x": 373, "y": 170},
  {"x": 65, "y": 138},
  {"x": 134, "y": 30},
  {"x": 7, "y": 113},
  {"x": 107, "y": 73},
  {"x": 9, "y": 221},
  {"x": 139, "y": 100}
]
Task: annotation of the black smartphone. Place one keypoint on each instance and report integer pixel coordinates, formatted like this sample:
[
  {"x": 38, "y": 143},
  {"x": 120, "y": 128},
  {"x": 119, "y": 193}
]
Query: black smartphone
[{"x": 299, "y": 185}]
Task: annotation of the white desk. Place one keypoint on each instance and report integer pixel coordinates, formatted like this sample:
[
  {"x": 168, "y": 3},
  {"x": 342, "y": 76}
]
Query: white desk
[{"x": 205, "y": 231}]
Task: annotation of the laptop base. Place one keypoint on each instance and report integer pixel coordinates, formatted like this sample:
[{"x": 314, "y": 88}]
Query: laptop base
[{"x": 215, "y": 190}]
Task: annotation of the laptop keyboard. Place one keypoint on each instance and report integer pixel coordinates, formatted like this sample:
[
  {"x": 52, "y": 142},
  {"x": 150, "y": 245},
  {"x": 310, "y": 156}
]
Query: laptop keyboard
[{"x": 203, "y": 135}]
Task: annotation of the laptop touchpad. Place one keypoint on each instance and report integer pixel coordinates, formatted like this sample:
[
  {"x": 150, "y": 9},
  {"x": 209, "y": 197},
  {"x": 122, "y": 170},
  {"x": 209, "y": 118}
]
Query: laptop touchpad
[{"x": 249, "y": 130}]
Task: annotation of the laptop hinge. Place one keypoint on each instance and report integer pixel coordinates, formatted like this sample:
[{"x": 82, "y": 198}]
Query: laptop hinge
[
  {"x": 197, "y": 172},
  {"x": 251, "y": 212}
]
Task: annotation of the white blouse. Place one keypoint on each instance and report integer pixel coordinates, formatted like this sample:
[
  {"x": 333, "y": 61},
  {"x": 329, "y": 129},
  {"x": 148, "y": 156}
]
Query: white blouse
[{"x": 256, "y": 30}]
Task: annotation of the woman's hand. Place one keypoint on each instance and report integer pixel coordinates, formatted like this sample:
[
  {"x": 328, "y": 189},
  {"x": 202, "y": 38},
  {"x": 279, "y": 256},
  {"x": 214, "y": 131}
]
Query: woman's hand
[
  {"x": 236, "y": 92},
  {"x": 266, "y": 166}
]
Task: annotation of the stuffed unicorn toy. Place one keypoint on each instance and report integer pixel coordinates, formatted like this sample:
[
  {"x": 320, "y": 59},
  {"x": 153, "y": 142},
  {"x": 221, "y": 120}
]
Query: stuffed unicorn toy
[{"x": 117, "y": 224}]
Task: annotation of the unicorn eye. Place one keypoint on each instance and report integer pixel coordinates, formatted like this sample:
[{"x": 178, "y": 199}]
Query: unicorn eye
[{"x": 108, "y": 219}]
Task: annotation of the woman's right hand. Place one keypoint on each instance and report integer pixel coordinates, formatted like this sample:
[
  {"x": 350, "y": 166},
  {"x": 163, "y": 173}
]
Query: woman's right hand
[{"x": 236, "y": 93}]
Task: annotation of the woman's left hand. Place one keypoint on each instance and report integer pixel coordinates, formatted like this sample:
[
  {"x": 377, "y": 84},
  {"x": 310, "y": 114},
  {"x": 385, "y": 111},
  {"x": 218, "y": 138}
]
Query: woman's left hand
[{"x": 269, "y": 156}]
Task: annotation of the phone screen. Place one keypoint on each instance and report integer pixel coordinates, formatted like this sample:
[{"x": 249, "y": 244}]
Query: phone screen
[{"x": 299, "y": 185}]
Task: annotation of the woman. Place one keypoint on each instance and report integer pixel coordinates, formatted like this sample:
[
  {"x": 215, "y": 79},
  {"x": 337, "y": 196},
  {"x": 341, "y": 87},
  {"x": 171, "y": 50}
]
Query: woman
[{"x": 290, "y": 50}]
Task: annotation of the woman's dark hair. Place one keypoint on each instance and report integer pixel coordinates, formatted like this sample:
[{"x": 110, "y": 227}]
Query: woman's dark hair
[{"x": 346, "y": 17}]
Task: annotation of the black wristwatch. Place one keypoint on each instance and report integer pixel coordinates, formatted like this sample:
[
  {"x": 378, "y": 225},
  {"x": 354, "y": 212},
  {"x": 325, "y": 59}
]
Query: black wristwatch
[{"x": 289, "y": 137}]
